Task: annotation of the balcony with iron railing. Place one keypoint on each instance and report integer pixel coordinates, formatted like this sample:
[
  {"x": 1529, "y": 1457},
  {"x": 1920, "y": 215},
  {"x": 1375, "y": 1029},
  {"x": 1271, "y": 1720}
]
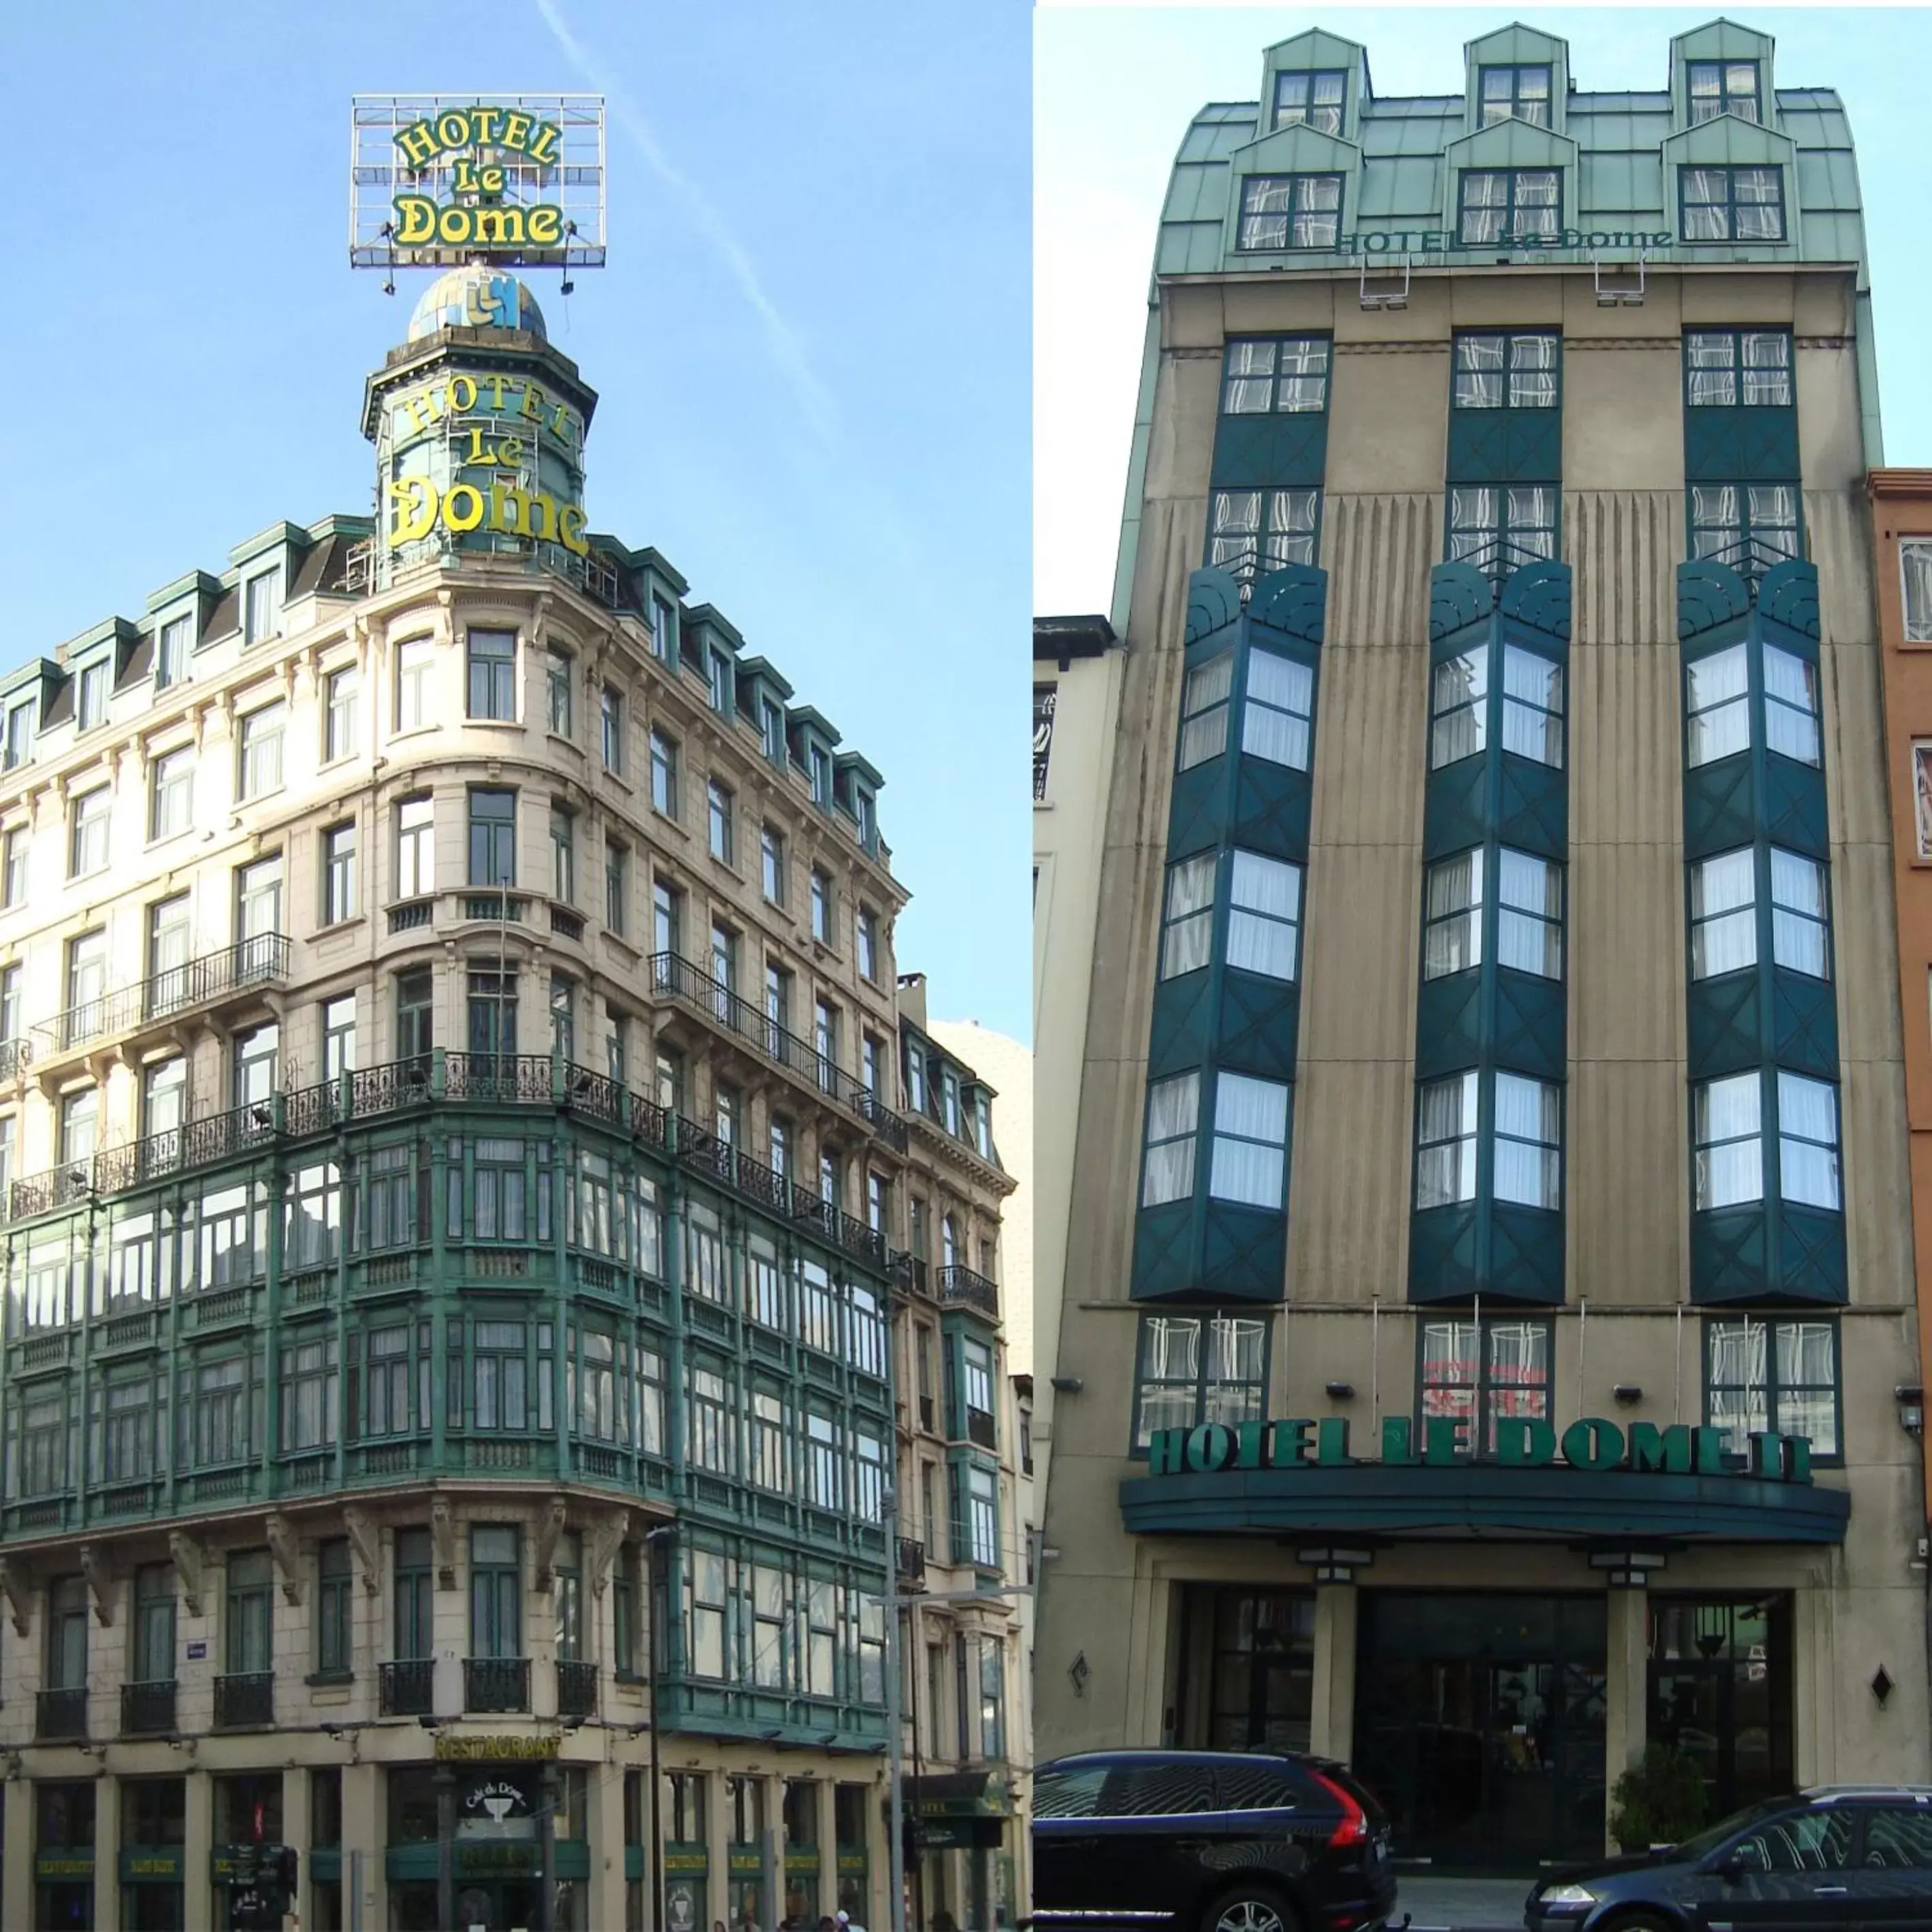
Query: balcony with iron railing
[
  {"x": 911, "y": 1561},
  {"x": 147, "y": 1710},
  {"x": 191, "y": 987},
  {"x": 576, "y": 1688},
  {"x": 710, "y": 1154},
  {"x": 60, "y": 1716},
  {"x": 406, "y": 1688},
  {"x": 496, "y": 1683},
  {"x": 16, "y": 1056},
  {"x": 962, "y": 1287},
  {"x": 694, "y": 988},
  {"x": 244, "y": 1700}
]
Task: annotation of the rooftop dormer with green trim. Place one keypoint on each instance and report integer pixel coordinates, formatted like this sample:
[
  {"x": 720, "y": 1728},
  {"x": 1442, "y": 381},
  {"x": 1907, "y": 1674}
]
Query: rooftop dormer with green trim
[{"x": 1717, "y": 163}]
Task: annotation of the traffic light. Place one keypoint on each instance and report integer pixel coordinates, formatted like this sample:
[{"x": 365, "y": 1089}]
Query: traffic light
[
  {"x": 285, "y": 1865},
  {"x": 912, "y": 1840}
]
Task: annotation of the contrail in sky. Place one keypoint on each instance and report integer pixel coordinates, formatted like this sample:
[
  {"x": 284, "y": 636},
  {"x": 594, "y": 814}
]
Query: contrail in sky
[{"x": 786, "y": 349}]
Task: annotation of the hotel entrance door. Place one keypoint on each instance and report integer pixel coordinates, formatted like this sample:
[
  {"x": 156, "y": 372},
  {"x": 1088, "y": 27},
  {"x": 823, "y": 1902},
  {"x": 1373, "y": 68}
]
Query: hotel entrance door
[{"x": 1480, "y": 1724}]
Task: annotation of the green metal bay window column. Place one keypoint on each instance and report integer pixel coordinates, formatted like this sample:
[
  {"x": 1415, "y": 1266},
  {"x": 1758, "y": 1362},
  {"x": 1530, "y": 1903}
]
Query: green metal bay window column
[
  {"x": 1491, "y": 1007},
  {"x": 1212, "y": 1219},
  {"x": 1767, "y": 1205}
]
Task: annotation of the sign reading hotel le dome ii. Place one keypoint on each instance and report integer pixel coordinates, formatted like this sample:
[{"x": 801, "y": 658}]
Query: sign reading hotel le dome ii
[
  {"x": 1622, "y": 242},
  {"x": 438, "y": 181},
  {"x": 1591, "y": 1444}
]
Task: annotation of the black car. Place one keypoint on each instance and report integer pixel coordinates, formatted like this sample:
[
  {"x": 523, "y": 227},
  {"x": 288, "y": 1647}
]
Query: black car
[
  {"x": 1208, "y": 1841},
  {"x": 1841, "y": 1858}
]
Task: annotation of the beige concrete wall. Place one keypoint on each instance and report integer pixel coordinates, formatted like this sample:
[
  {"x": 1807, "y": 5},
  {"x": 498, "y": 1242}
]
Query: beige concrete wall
[{"x": 1106, "y": 1597}]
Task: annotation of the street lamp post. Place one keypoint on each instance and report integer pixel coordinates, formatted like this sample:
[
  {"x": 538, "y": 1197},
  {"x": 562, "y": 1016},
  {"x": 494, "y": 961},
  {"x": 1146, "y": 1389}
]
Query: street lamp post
[{"x": 654, "y": 1541}]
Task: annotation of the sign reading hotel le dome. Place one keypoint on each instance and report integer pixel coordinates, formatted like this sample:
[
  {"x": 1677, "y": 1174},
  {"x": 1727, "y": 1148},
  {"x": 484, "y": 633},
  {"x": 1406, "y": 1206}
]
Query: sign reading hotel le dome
[
  {"x": 438, "y": 180},
  {"x": 1591, "y": 1444},
  {"x": 1444, "y": 241}
]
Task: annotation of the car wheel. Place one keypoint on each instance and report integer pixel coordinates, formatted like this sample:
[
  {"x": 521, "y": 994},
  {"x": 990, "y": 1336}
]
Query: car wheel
[
  {"x": 1638, "y": 1922},
  {"x": 1249, "y": 1908}
]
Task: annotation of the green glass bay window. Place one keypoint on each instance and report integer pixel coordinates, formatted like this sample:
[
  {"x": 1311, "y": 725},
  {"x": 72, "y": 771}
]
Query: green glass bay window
[
  {"x": 1248, "y": 1160},
  {"x": 1262, "y": 933},
  {"x": 1521, "y": 1140},
  {"x": 1765, "y": 1132}
]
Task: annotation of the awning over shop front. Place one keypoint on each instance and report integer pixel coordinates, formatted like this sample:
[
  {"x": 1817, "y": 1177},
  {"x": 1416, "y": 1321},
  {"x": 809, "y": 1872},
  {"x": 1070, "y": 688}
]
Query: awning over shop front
[{"x": 1483, "y": 1500}]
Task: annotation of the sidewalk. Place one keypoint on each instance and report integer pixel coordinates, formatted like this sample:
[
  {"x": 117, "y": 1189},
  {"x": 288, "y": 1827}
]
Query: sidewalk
[{"x": 1460, "y": 1904}]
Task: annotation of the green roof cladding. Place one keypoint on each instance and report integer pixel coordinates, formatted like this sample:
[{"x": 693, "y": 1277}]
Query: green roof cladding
[{"x": 1619, "y": 151}]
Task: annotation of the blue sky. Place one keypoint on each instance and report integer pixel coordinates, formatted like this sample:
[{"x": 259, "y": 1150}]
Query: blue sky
[
  {"x": 1115, "y": 87},
  {"x": 811, "y": 348}
]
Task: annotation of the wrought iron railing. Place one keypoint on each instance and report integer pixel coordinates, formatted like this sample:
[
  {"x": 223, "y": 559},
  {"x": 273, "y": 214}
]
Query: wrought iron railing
[
  {"x": 576, "y": 1687},
  {"x": 147, "y": 1708},
  {"x": 16, "y": 1056},
  {"x": 1752, "y": 557},
  {"x": 710, "y": 1154},
  {"x": 496, "y": 1683},
  {"x": 687, "y": 981},
  {"x": 407, "y": 1688},
  {"x": 260, "y": 961},
  {"x": 60, "y": 1715},
  {"x": 961, "y": 1288},
  {"x": 244, "y": 1698},
  {"x": 981, "y": 1431},
  {"x": 911, "y": 1560},
  {"x": 497, "y": 1076}
]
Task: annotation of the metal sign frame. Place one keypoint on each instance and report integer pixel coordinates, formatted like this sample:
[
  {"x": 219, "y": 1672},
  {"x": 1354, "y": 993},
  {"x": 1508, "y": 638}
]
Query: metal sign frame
[{"x": 572, "y": 182}]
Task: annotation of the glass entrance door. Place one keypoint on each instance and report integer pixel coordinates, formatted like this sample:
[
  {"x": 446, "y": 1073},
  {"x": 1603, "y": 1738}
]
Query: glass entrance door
[
  {"x": 1720, "y": 1691},
  {"x": 1480, "y": 1724}
]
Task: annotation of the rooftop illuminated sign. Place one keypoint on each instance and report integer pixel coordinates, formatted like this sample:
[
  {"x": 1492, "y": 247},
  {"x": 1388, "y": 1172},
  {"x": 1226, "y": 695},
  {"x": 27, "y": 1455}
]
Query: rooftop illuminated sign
[{"x": 438, "y": 182}]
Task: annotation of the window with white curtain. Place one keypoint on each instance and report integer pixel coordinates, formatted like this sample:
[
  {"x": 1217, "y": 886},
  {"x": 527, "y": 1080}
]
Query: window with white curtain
[
  {"x": 1312, "y": 99},
  {"x": 1776, "y": 1376},
  {"x": 1728, "y": 1131},
  {"x": 1790, "y": 705},
  {"x": 1203, "y": 710},
  {"x": 1289, "y": 374},
  {"x": 1723, "y": 914},
  {"x": 1529, "y": 1135},
  {"x": 1497, "y": 370},
  {"x": 1498, "y": 205},
  {"x": 1275, "y": 717},
  {"x": 1799, "y": 919},
  {"x": 1264, "y": 914},
  {"x": 1251, "y": 532},
  {"x": 1173, "y": 1111},
  {"x": 1187, "y": 921},
  {"x": 1532, "y": 707},
  {"x": 1516, "y": 93},
  {"x": 1458, "y": 708},
  {"x": 1732, "y": 204},
  {"x": 1724, "y": 515},
  {"x": 1290, "y": 212},
  {"x": 1728, "y": 367},
  {"x": 1721, "y": 87},
  {"x": 1527, "y": 1140},
  {"x": 1914, "y": 566},
  {"x": 1249, "y": 1158},
  {"x": 1717, "y": 701},
  {"x": 1483, "y": 515},
  {"x": 1194, "y": 1369},
  {"x": 1478, "y": 1374},
  {"x": 1445, "y": 1131},
  {"x": 1529, "y": 913}
]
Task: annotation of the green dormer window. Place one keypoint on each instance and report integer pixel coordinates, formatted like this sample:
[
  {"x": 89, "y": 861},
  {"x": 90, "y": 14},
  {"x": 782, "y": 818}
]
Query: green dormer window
[
  {"x": 821, "y": 778},
  {"x": 1732, "y": 204},
  {"x": 1516, "y": 93},
  {"x": 1498, "y": 205},
  {"x": 774, "y": 735},
  {"x": 1723, "y": 87},
  {"x": 1311, "y": 100},
  {"x": 720, "y": 683},
  {"x": 1280, "y": 212}
]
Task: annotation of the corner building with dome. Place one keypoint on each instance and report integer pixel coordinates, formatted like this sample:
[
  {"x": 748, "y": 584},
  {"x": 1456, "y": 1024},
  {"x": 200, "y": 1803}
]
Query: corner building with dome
[{"x": 467, "y": 1192}]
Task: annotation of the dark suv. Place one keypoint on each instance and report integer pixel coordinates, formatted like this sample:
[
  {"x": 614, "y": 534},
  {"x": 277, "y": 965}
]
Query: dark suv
[
  {"x": 1839, "y": 1856},
  {"x": 1208, "y": 1841}
]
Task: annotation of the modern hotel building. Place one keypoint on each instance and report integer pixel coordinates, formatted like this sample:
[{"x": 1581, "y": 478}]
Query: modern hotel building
[
  {"x": 458, "y": 1181},
  {"x": 1492, "y": 1341}
]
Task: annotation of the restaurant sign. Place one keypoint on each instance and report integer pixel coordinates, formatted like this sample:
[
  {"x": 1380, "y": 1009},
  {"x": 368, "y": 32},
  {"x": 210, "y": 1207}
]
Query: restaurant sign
[
  {"x": 1592, "y": 1444},
  {"x": 495, "y": 1751}
]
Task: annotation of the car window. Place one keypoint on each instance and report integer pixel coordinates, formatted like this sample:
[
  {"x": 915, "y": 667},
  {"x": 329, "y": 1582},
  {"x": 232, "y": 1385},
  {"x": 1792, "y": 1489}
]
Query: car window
[
  {"x": 1256, "y": 1787},
  {"x": 1898, "y": 1836},
  {"x": 1804, "y": 1841},
  {"x": 1069, "y": 1791},
  {"x": 1156, "y": 1790}
]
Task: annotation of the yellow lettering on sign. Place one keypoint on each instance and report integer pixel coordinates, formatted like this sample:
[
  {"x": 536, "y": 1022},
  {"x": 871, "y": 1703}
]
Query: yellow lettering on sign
[
  {"x": 532, "y": 404},
  {"x": 542, "y": 146},
  {"x": 469, "y": 515},
  {"x": 452, "y": 128},
  {"x": 510, "y": 451},
  {"x": 453, "y": 393},
  {"x": 559, "y": 424},
  {"x": 545, "y": 226},
  {"x": 483, "y": 123},
  {"x": 418, "y": 224},
  {"x": 570, "y": 530},
  {"x": 516, "y": 125},
  {"x": 417, "y": 142},
  {"x": 412, "y": 507},
  {"x": 495, "y": 227},
  {"x": 495, "y": 382}
]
